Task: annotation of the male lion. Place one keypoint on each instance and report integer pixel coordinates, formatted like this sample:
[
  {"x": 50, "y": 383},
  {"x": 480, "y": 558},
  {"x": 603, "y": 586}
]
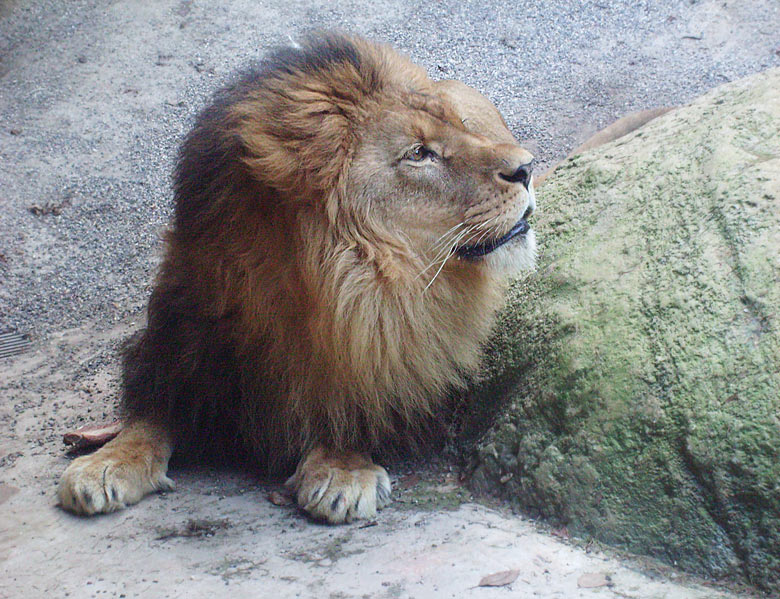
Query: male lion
[{"x": 343, "y": 229}]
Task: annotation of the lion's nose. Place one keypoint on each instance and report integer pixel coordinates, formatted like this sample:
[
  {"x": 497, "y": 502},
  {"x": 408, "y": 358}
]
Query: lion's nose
[{"x": 522, "y": 174}]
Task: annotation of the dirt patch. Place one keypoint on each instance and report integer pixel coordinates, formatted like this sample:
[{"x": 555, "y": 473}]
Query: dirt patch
[{"x": 197, "y": 529}]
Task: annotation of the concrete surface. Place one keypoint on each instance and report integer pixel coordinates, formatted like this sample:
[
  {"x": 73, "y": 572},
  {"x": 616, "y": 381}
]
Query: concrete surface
[{"x": 94, "y": 98}]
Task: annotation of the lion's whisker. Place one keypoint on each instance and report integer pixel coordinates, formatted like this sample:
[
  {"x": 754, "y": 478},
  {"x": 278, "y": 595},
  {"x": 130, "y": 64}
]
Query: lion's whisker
[
  {"x": 447, "y": 247},
  {"x": 449, "y": 254},
  {"x": 443, "y": 254},
  {"x": 443, "y": 237},
  {"x": 487, "y": 229},
  {"x": 486, "y": 225},
  {"x": 450, "y": 241}
]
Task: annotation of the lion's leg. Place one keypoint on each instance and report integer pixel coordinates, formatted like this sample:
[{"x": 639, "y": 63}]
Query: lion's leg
[
  {"x": 121, "y": 472},
  {"x": 339, "y": 486}
]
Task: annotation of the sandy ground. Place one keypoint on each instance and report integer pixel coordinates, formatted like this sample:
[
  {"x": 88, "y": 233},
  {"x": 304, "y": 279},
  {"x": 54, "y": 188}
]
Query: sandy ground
[{"x": 94, "y": 98}]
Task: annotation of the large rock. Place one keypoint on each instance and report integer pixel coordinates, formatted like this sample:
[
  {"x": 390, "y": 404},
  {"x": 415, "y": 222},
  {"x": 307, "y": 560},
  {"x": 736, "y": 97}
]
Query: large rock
[{"x": 636, "y": 374}]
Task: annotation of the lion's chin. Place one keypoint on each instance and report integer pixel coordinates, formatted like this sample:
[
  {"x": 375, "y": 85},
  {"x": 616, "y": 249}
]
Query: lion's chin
[{"x": 512, "y": 258}]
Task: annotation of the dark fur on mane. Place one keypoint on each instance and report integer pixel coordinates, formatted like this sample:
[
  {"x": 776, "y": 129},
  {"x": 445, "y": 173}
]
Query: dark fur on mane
[{"x": 210, "y": 157}]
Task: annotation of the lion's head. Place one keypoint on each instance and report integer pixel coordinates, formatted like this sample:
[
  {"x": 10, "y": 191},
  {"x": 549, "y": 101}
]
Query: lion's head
[
  {"x": 426, "y": 170},
  {"x": 349, "y": 223}
]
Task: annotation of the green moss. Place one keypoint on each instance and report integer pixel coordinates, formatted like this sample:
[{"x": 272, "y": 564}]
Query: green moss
[{"x": 632, "y": 388}]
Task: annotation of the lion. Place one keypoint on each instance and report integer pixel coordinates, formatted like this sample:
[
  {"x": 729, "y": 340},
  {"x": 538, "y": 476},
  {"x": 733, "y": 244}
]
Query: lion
[{"x": 343, "y": 232}]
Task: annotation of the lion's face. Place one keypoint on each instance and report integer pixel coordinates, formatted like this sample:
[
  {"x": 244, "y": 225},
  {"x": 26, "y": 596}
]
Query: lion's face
[
  {"x": 421, "y": 176},
  {"x": 444, "y": 170}
]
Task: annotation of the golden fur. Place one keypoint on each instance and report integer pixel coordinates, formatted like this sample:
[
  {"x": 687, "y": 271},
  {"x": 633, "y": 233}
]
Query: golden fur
[{"x": 329, "y": 275}]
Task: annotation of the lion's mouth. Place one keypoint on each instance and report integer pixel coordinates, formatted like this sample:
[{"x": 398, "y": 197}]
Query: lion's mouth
[{"x": 482, "y": 249}]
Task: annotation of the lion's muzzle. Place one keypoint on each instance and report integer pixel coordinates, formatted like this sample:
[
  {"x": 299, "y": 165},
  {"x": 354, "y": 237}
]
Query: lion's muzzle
[{"x": 522, "y": 174}]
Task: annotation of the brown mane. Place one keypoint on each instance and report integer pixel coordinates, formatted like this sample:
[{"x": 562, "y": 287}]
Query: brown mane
[{"x": 284, "y": 314}]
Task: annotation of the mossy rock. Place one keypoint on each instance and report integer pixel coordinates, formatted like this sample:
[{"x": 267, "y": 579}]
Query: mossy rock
[{"x": 632, "y": 390}]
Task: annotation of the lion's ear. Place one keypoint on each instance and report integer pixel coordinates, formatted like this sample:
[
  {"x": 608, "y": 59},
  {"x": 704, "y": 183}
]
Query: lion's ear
[
  {"x": 299, "y": 120},
  {"x": 297, "y": 125},
  {"x": 295, "y": 141}
]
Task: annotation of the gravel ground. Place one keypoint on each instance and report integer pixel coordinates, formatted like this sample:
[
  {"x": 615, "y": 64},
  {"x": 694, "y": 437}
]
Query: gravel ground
[{"x": 94, "y": 99}]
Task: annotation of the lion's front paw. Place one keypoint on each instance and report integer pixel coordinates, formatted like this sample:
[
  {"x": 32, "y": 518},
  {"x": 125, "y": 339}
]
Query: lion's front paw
[
  {"x": 127, "y": 468},
  {"x": 100, "y": 483},
  {"x": 340, "y": 487}
]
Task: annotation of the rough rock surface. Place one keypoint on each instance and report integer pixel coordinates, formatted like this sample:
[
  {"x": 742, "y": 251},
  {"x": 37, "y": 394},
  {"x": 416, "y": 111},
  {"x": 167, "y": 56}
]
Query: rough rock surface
[{"x": 637, "y": 372}]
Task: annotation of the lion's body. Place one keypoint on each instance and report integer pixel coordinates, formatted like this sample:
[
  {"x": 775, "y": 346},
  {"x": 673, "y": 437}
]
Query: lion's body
[
  {"x": 342, "y": 234},
  {"x": 271, "y": 320}
]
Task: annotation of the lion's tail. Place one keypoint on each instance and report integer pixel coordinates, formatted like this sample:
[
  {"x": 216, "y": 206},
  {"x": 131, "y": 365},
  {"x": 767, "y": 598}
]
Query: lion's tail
[{"x": 622, "y": 126}]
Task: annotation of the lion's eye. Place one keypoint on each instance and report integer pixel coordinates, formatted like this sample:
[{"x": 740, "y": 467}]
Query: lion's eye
[{"x": 418, "y": 154}]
